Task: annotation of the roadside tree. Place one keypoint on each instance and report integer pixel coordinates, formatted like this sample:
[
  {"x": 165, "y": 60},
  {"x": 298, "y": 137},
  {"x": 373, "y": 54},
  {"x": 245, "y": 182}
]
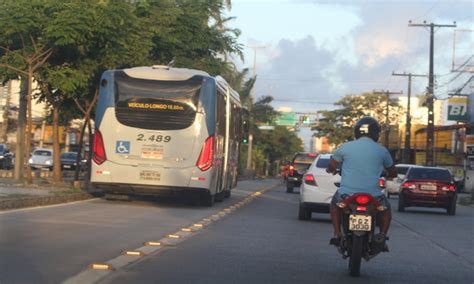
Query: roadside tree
[
  {"x": 337, "y": 125},
  {"x": 22, "y": 54}
]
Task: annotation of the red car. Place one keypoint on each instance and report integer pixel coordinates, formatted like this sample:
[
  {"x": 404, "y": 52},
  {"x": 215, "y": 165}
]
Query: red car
[{"x": 428, "y": 187}]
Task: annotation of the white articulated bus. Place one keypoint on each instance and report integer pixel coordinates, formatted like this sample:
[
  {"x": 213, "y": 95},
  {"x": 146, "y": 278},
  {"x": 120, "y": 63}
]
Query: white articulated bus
[{"x": 162, "y": 130}]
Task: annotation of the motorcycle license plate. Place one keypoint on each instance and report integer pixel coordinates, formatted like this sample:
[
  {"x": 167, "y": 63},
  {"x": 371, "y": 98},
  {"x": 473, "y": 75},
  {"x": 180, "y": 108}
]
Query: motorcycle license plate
[{"x": 360, "y": 222}]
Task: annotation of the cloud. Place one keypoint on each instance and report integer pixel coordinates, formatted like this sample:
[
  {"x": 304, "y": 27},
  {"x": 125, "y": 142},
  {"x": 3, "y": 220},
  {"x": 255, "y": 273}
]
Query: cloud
[
  {"x": 307, "y": 71},
  {"x": 296, "y": 75}
]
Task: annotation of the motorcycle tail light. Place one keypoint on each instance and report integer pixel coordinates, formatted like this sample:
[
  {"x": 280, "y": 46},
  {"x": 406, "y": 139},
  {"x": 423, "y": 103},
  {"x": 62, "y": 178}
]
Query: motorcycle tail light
[
  {"x": 362, "y": 199},
  {"x": 309, "y": 179},
  {"x": 361, "y": 208},
  {"x": 450, "y": 187}
]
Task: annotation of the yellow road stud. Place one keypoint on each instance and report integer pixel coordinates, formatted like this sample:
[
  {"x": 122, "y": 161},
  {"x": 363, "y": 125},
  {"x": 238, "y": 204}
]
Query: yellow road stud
[
  {"x": 153, "y": 244},
  {"x": 101, "y": 266}
]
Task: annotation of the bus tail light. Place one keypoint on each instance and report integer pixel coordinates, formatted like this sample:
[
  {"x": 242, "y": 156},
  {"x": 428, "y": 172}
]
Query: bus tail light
[
  {"x": 207, "y": 155},
  {"x": 98, "y": 148}
]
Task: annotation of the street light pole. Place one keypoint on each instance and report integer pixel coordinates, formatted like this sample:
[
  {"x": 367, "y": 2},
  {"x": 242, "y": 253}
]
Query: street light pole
[{"x": 252, "y": 95}]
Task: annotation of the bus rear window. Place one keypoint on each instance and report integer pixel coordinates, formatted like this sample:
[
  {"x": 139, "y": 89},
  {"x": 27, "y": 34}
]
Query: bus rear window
[{"x": 156, "y": 105}]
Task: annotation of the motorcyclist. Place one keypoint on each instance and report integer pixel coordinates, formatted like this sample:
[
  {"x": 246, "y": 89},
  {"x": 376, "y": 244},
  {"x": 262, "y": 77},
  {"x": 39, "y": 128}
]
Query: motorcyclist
[{"x": 363, "y": 161}]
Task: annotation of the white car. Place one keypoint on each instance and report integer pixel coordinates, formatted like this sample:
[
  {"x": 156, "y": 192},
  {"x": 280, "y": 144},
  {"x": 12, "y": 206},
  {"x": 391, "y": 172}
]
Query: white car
[
  {"x": 42, "y": 159},
  {"x": 393, "y": 186},
  {"x": 317, "y": 188}
]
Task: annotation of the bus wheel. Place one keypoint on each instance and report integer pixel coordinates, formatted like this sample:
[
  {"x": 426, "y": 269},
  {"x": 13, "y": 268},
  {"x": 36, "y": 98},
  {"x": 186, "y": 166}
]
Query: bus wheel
[
  {"x": 227, "y": 193},
  {"x": 207, "y": 199},
  {"x": 219, "y": 197}
]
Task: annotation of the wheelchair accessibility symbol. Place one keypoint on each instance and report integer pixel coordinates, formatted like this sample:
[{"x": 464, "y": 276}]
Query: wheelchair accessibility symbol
[{"x": 122, "y": 147}]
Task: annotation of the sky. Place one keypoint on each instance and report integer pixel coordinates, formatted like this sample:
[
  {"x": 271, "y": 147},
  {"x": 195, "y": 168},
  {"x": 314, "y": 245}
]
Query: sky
[{"x": 309, "y": 53}]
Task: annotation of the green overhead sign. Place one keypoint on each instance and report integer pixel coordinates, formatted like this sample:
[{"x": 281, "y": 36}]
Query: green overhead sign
[{"x": 286, "y": 119}]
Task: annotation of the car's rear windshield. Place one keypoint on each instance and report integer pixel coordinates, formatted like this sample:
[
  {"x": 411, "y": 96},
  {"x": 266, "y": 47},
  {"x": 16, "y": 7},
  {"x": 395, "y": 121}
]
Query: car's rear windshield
[
  {"x": 42, "y": 153},
  {"x": 429, "y": 174},
  {"x": 402, "y": 170},
  {"x": 324, "y": 162},
  {"x": 304, "y": 158},
  {"x": 68, "y": 155},
  {"x": 155, "y": 104}
]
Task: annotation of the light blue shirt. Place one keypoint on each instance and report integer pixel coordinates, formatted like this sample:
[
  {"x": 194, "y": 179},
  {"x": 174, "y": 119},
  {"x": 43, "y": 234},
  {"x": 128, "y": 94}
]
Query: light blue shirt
[{"x": 363, "y": 160}]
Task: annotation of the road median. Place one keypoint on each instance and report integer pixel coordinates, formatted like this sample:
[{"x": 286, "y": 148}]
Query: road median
[
  {"x": 17, "y": 202},
  {"x": 16, "y": 195}
]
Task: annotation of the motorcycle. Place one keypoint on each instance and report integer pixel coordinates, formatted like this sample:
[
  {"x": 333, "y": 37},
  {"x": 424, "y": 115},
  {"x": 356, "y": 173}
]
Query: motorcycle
[{"x": 359, "y": 219}]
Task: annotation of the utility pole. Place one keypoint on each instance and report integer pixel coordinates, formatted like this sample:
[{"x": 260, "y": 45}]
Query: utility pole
[
  {"x": 252, "y": 95},
  {"x": 407, "y": 149},
  {"x": 387, "y": 113},
  {"x": 430, "y": 99}
]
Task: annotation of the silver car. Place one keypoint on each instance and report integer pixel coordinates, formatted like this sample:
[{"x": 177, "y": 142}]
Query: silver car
[
  {"x": 392, "y": 187},
  {"x": 42, "y": 159}
]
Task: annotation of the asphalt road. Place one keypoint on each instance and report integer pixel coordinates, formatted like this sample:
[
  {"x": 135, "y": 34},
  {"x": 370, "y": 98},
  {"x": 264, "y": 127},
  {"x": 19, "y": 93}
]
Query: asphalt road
[
  {"x": 51, "y": 244},
  {"x": 265, "y": 243},
  {"x": 261, "y": 242}
]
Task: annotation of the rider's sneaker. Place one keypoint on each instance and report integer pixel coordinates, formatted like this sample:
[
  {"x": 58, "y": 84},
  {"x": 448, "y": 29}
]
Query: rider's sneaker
[{"x": 336, "y": 241}]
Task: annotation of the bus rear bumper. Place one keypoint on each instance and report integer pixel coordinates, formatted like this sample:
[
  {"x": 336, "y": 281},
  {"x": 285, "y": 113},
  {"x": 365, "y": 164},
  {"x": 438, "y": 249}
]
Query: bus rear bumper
[{"x": 149, "y": 190}]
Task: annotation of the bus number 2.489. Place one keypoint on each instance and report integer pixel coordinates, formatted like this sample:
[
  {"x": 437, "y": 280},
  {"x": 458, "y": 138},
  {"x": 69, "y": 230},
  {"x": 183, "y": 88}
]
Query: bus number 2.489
[{"x": 154, "y": 138}]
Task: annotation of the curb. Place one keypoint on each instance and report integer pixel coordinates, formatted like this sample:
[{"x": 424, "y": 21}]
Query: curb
[
  {"x": 25, "y": 202},
  {"x": 18, "y": 203}
]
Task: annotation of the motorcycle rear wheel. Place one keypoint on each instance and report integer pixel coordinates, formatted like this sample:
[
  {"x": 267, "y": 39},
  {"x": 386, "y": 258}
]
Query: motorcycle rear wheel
[{"x": 356, "y": 255}]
